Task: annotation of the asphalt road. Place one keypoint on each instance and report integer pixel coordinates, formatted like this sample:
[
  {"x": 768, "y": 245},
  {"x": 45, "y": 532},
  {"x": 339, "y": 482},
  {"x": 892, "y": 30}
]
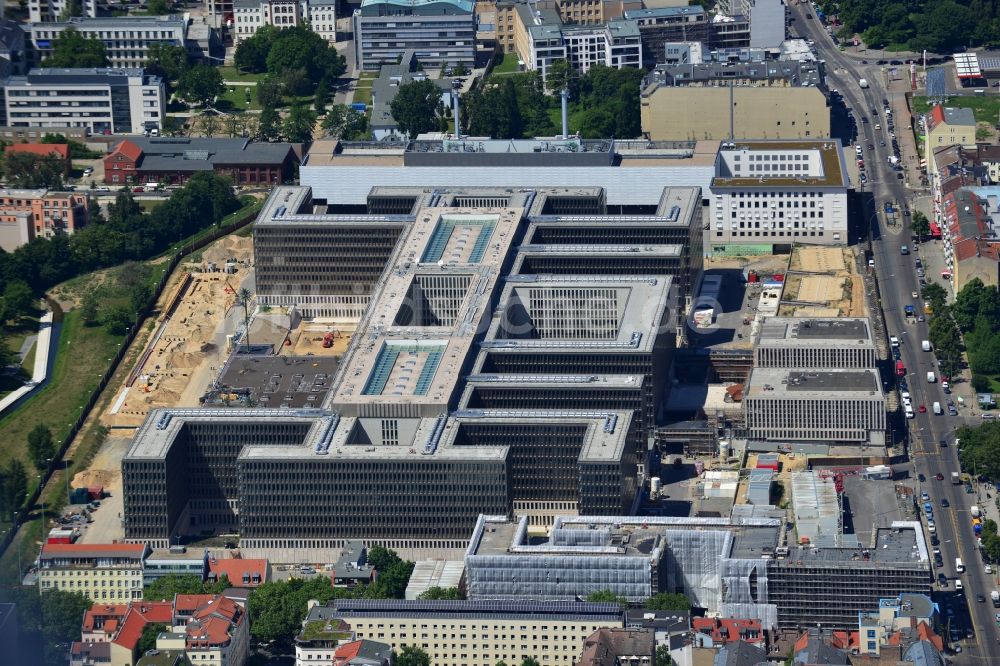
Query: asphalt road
[{"x": 897, "y": 280}]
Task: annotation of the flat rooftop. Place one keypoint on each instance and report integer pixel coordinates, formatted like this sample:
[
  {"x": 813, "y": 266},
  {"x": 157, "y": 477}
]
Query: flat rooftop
[
  {"x": 470, "y": 610},
  {"x": 631, "y": 310},
  {"x": 784, "y": 383},
  {"x": 901, "y": 544},
  {"x": 831, "y": 174},
  {"x": 810, "y": 331},
  {"x": 419, "y": 328},
  {"x": 280, "y": 381},
  {"x": 504, "y": 537}
]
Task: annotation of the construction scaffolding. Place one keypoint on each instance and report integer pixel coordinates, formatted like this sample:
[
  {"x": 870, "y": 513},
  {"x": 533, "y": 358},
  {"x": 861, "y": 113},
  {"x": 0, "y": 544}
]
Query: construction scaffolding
[{"x": 817, "y": 508}]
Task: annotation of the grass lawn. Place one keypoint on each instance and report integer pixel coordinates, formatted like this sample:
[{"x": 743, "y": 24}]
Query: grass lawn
[
  {"x": 367, "y": 76},
  {"x": 232, "y": 74},
  {"x": 555, "y": 114},
  {"x": 363, "y": 95},
  {"x": 235, "y": 99},
  {"x": 984, "y": 108},
  {"x": 83, "y": 356},
  {"x": 149, "y": 205},
  {"x": 508, "y": 65}
]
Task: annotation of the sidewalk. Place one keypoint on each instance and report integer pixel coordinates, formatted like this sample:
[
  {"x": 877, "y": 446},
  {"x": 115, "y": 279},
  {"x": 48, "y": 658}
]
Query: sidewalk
[{"x": 40, "y": 371}]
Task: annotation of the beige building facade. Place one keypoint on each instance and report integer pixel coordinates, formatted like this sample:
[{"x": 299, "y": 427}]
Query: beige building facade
[
  {"x": 712, "y": 112},
  {"x": 481, "y": 633},
  {"x": 102, "y": 572}
]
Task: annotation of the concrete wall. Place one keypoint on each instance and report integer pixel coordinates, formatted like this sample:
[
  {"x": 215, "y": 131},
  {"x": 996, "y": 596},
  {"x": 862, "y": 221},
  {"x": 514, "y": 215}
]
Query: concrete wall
[{"x": 689, "y": 112}]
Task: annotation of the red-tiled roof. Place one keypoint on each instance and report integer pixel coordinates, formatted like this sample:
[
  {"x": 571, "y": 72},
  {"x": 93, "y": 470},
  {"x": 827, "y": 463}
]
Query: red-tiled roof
[
  {"x": 104, "y": 611},
  {"x": 729, "y": 629},
  {"x": 43, "y": 149},
  {"x": 213, "y": 620},
  {"x": 241, "y": 573},
  {"x": 347, "y": 651},
  {"x": 936, "y": 117},
  {"x": 189, "y": 603},
  {"x": 139, "y": 615},
  {"x": 128, "y": 149}
]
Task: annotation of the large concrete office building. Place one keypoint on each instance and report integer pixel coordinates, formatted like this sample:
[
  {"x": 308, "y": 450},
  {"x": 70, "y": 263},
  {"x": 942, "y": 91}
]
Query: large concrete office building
[
  {"x": 830, "y": 405},
  {"x": 475, "y": 633},
  {"x": 105, "y": 100},
  {"x": 773, "y": 194},
  {"x": 828, "y": 343},
  {"x": 631, "y": 173},
  {"x": 741, "y": 100},
  {"x": 441, "y": 33},
  {"x": 737, "y": 568},
  {"x": 126, "y": 39},
  {"x": 444, "y": 305}
]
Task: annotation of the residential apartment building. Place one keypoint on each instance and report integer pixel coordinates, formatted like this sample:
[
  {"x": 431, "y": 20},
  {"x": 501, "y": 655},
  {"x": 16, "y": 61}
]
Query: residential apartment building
[
  {"x": 947, "y": 126},
  {"x": 29, "y": 214},
  {"x": 13, "y": 57},
  {"x": 104, "y": 101},
  {"x": 102, "y": 572},
  {"x": 210, "y": 630},
  {"x": 539, "y": 37},
  {"x": 480, "y": 633},
  {"x": 127, "y": 39},
  {"x": 970, "y": 223},
  {"x": 777, "y": 193},
  {"x": 745, "y": 100},
  {"x": 661, "y": 25},
  {"x": 440, "y": 33},
  {"x": 250, "y": 15},
  {"x": 48, "y": 11}
]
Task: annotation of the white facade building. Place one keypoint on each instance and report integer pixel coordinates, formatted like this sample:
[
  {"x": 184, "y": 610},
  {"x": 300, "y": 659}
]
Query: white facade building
[
  {"x": 779, "y": 192},
  {"x": 126, "y": 39},
  {"x": 104, "y": 101},
  {"x": 614, "y": 44},
  {"x": 767, "y": 22},
  {"x": 251, "y": 15},
  {"x": 40, "y": 11}
]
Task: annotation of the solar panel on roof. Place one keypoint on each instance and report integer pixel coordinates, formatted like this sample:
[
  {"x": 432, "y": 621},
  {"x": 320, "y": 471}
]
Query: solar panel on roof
[{"x": 935, "y": 86}]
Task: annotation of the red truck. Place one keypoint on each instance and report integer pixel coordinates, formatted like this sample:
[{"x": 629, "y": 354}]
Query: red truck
[{"x": 900, "y": 369}]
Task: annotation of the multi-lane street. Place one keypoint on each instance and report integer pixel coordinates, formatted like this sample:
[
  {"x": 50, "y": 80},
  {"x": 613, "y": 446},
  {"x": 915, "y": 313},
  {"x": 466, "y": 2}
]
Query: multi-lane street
[{"x": 898, "y": 281}]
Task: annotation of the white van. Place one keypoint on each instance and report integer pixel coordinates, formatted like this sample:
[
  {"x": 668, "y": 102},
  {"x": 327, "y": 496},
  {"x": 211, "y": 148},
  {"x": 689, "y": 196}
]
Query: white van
[
  {"x": 909, "y": 412},
  {"x": 959, "y": 567},
  {"x": 937, "y": 408},
  {"x": 958, "y": 585},
  {"x": 893, "y": 340},
  {"x": 931, "y": 378},
  {"x": 925, "y": 345}
]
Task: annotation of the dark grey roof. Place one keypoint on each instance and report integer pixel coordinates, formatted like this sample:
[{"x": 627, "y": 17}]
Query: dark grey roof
[
  {"x": 818, "y": 651},
  {"x": 11, "y": 35},
  {"x": 548, "y": 610},
  {"x": 740, "y": 654},
  {"x": 795, "y": 72},
  {"x": 669, "y": 621},
  {"x": 923, "y": 653},
  {"x": 200, "y": 154},
  {"x": 372, "y": 651}
]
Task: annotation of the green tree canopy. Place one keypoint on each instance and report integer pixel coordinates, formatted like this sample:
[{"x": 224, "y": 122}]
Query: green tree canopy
[
  {"x": 170, "y": 61},
  {"x": 167, "y": 587},
  {"x": 72, "y": 49},
  {"x": 663, "y": 655},
  {"x": 41, "y": 448},
  {"x": 668, "y": 601},
  {"x": 18, "y": 300},
  {"x": 411, "y": 655},
  {"x": 30, "y": 171},
  {"x": 343, "y": 122},
  {"x": 417, "y": 107},
  {"x": 269, "y": 125},
  {"x": 297, "y": 127},
  {"x": 919, "y": 224},
  {"x": 452, "y": 593},
  {"x": 147, "y": 641},
  {"x": 201, "y": 84},
  {"x": 251, "y": 54},
  {"x": 607, "y": 596},
  {"x": 15, "y": 485}
]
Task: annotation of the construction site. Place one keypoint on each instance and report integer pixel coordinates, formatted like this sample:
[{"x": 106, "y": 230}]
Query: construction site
[{"x": 822, "y": 282}]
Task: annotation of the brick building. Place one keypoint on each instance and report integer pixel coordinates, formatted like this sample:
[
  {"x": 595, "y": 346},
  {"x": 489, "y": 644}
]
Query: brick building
[
  {"x": 26, "y": 214},
  {"x": 174, "y": 160}
]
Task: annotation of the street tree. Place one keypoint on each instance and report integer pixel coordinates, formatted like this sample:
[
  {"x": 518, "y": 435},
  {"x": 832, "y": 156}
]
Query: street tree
[
  {"x": 209, "y": 123},
  {"x": 268, "y": 124},
  {"x": 269, "y": 92},
  {"x": 607, "y": 596},
  {"x": 322, "y": 96},
  {"x": 920, "y": 225},
  {"x": 416, "y": 107}
]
